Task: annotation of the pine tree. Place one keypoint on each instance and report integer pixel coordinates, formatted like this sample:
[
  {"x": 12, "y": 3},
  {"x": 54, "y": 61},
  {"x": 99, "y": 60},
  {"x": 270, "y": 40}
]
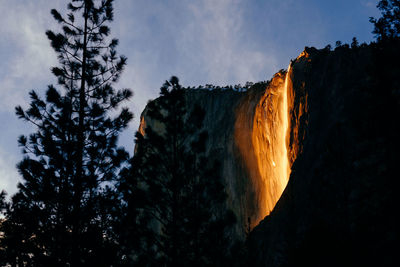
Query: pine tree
[
  {"x": 134, "y": 237},
  {"x": 3, "y": 206},
  {"x": 2, "y": 201},
  {"x": 184, "y": 195},
  {"x": 354, "y": 43},
  {"x": 63, "y": 213},
  {"x": 387, "y": 26}
]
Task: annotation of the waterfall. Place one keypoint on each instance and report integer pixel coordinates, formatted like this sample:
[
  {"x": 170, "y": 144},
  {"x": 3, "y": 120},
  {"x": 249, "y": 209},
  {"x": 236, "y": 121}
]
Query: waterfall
[
  {"x": 261, "y": 134},
  {"x": 285, "y": 165}
]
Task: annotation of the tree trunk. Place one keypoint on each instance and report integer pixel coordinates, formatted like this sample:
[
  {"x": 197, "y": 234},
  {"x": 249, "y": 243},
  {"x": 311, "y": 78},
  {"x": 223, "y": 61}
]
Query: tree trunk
[{"x": 76, "y": 235}]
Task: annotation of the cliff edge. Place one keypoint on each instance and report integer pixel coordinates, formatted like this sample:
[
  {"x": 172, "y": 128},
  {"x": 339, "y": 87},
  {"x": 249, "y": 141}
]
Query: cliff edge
[
  {"x": 309, "y": 158},
  {"x": 339, "y": 207}
]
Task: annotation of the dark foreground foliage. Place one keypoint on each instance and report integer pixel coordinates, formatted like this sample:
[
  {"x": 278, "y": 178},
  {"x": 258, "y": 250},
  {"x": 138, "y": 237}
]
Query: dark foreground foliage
[
  {"x": 64, "y": 211},
  {"x": 183, "y": 194}
]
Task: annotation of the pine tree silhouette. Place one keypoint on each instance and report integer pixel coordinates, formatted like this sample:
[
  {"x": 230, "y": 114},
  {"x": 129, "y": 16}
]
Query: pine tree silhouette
[
  {"x": 184, "y": 195},
  {"x": 387, "y": 26},
  {"x": 63, "y": 213}
]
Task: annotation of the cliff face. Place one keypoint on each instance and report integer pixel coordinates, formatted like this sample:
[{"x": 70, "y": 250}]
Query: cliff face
[
  {"x": 328, "y": 124},
  {"x": 248, "y": 135},
  {"x": 338, "y": 208},
  {"x": 220, "y": 109},
  {"x": 262, "y": 137}
]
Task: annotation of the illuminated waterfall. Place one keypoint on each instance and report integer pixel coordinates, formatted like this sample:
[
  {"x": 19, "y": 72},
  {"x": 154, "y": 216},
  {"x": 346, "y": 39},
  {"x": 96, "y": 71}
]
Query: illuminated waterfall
[
  {"x": 284, "y": 113},
  {"x": 261, "y": 134}
]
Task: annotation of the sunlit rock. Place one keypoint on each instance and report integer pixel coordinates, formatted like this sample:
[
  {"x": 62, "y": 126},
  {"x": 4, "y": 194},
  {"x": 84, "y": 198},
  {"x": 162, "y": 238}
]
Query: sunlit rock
[{"x": 249, "y": 134}]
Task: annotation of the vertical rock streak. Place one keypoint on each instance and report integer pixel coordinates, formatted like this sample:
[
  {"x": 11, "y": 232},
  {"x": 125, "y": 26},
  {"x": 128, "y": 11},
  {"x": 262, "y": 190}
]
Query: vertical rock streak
[
  {"x": 284, "y": 113},
  {"x": 256, "y": 135},
  {"x": 261, "y": 135}
]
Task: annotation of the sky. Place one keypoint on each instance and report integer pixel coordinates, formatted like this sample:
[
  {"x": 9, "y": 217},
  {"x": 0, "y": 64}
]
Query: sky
[{"x": 220, "y": 42}]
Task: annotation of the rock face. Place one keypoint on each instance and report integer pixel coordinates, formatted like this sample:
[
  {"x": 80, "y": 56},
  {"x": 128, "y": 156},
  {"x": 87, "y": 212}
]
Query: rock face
[
  {"x": 328, "y": 123},
  {"x": 338, "y": 208},
  {"x": 262, "y": 137},
  {"x": 248, "y": 135},
  {"x": 220, "y": 109}
]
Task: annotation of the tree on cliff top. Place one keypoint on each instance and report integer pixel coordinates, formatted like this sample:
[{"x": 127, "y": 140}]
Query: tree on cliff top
[
  {"x": 63, "y": 213},
  {"x": 2, "y": 201},
  {"x": 387, "y": 26},
  {"x": 184, "y": 196}
]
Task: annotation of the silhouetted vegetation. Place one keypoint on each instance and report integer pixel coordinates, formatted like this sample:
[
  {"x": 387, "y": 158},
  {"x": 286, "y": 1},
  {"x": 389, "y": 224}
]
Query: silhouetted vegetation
[
  {"x": 184, "y": 198},
  {"x": 64, "y": 210},
  {"x": 77, "y": 204},
  {"x": 354, "y": 43},
  {"x": 83, "y": 202},
  {"x": 237, "y": 87},
  {"x": 388, "y": 25},
  {"x": 2, "y": 201}
]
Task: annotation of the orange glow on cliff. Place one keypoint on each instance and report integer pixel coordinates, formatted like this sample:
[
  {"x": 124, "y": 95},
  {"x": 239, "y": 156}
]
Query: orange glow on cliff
[{"x": 261, "y": 134}]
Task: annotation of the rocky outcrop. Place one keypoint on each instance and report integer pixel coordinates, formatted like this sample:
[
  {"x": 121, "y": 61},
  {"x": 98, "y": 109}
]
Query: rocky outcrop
[
  {"x": 338, "y": 208},
  {"x": 248, "y": 135},
  {"x": 328, "y": 124}
]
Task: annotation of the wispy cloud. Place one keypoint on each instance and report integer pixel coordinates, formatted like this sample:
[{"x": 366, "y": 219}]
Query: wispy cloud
[
  {"x": 25, "y": 65},
  {"x": 215, "y": 37},
  {"x": 199, "y": 41},
  {"x": 23, "y": 33}
]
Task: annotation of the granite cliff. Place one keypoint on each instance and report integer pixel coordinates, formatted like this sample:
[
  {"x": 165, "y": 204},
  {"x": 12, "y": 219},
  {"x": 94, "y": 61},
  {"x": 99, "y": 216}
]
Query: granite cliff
[
  {"x": 308, "y": 157},
  {"x": 338, "y": 208},
  {"x": 248, "y": 136}
]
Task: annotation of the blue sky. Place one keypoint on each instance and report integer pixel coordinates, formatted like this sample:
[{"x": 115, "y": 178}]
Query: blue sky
[{"x": 200, "y": 41}]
